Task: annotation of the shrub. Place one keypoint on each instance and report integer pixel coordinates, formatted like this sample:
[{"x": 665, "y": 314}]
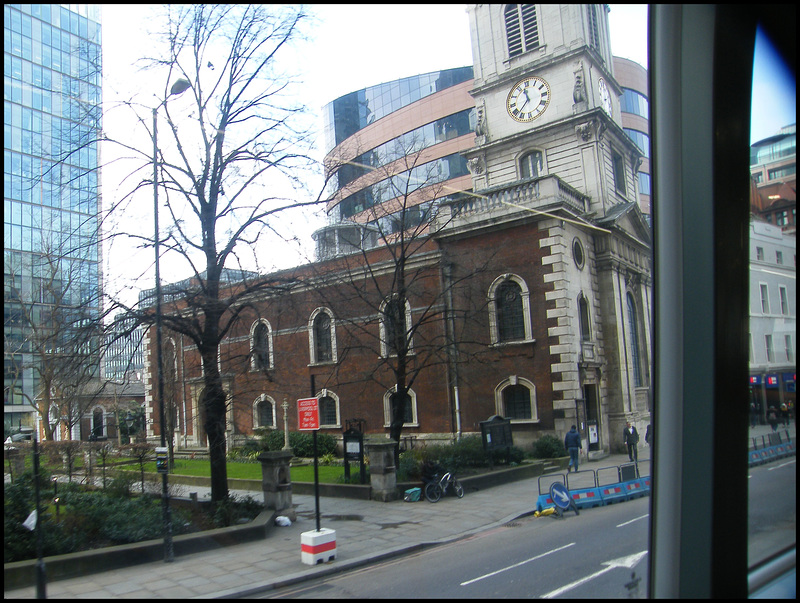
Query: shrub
[
  {"x": 247, "y": 453},
  {"x": 232, "y": 509},
  {"x": 548, "y": 447},
  {"x": 328, "y": 459},
  {"x": 463, "y": 454},
  {"x": 301, "y": 442},
  {"x": 410, "y": 468},
  {"x": 120, "y": 486}
]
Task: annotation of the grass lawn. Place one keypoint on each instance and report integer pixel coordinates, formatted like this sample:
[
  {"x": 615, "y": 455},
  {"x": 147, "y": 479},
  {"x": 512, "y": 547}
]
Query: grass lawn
[{"x": 201, "y": 468}]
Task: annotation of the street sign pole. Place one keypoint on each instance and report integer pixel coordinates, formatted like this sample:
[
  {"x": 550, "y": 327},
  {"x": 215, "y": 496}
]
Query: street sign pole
[
  {"x": 316, "y": 478},
  {"x": 316, "y": 456},
  {"x": 308, "y": 420}
]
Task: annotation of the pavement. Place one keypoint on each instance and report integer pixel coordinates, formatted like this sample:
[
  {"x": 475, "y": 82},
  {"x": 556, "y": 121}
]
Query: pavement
[{"x": 366, "y": 532}]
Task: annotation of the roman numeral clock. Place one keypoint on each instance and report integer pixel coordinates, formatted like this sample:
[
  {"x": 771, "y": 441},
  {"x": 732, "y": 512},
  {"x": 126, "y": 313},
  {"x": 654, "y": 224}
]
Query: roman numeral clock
[{"x": 528, "y": 99}]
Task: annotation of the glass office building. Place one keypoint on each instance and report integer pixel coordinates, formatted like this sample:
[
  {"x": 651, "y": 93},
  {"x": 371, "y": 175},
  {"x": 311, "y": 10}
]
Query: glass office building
[
  {"x": 52, "y": 118},
  {"x": 370, "y": 131}
]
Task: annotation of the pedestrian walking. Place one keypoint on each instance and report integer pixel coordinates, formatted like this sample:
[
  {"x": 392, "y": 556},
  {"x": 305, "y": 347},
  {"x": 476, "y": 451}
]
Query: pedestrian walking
[
  {"x": 772, "y": 418},
  {"x": 631, "y": 438},
  {"x": 572, "y": 442},
  {"x": 753, "y": 414},
  {"x": 648, "y": 436},
  {"x": 784, "y": 415}
]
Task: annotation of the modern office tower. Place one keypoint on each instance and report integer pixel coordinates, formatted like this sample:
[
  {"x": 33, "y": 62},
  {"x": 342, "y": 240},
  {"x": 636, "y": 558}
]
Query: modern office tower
[
  {"x": 393, "y": 148},
  {"x": 773, "y": 169},
  {"x": 633, "y": 109},
  {"x": 124, "y": 355},
  {"x": 51, "y": 254}
]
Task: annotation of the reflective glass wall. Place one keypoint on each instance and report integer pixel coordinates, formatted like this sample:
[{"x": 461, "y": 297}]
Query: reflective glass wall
[{"x": 52, "y": 118}]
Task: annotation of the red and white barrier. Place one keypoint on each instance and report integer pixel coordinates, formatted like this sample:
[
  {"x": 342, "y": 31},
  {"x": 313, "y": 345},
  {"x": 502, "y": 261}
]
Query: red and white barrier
[{"x": 317, "y": 546}]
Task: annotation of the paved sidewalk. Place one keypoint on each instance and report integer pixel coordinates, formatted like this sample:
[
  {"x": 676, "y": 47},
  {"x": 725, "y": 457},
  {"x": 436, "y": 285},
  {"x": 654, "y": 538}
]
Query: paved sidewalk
[{"x": 366, "y": 531}]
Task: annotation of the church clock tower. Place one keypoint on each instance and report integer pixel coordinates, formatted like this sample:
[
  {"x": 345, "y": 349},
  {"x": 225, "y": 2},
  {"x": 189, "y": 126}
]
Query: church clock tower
[
  {"x": 545, "y": 95},
  {"x": 550, "y": 152}
]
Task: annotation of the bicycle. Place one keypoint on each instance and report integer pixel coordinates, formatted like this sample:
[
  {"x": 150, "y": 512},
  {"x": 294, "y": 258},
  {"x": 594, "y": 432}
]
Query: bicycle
[{"x": 439, "y": 486}]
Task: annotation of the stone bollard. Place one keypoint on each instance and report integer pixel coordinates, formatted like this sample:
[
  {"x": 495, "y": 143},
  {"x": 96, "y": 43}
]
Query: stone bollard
[
  {"x": 382, "y": 472},
  {"x": 276, "y": 481},
  {"x": 88, "y": 462}
]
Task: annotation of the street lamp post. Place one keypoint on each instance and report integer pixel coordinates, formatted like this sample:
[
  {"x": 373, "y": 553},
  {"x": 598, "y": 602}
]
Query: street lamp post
[{"x": 178, "y": 87}]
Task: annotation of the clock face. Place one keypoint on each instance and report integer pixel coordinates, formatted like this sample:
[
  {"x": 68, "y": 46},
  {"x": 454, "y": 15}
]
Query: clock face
[
  {"x": 528, "y": 99},
  {"x": 605, "y": 97}
]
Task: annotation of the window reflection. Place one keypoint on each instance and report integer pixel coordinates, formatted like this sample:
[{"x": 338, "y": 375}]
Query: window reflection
[{"x": 773, "y": 308}]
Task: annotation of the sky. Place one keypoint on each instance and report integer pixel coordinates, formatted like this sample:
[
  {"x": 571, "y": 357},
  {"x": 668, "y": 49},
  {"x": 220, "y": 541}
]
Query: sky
[{"x": 349, "y": 48}]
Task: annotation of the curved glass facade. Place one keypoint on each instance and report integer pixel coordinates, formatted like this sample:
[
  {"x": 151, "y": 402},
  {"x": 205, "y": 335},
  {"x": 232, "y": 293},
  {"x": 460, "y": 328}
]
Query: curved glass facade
[
  {"x": 447, "y": 128},
  {"x": 404, "y": 183},
  {"x": 350, "y": 113},
  {"x": 634, "y": 102}
]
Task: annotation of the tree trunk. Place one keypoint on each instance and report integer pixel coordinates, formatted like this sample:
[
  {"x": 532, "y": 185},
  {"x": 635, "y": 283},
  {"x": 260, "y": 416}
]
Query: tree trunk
[{"x": 215, "y": 432}]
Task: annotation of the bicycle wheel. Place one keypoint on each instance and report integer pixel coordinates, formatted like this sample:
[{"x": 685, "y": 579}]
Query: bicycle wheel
[
  {"x": 433, "y": 492},
  {"x": 458, "y": 488}
]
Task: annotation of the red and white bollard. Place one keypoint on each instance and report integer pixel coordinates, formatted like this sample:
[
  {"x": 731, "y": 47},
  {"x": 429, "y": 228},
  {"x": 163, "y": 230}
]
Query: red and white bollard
[{"x": 318, "y": 546}]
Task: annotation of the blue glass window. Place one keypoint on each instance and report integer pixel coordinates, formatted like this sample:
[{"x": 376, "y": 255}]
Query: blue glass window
[
  {"x": 641, "y": 139},
  {"x": 352, "y": 112},
  {"x": 633, "y": 102}
]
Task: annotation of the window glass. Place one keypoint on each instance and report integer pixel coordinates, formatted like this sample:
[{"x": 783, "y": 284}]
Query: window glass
[
  {"x": 633, "y": 328},
  {"x": 641, "y": 139},
  {"x": 261, "y": 347},
  {"x": 517, "y": 402},
  {"x": 322, "y": 338},
  {"x": 530, "y": 165},
  {"x": 619, "y": 173},
  {"x": 772, "y": 371},
  {"x": 510, "y": 319},
  {"x": 265, "y": 418},
  {"x": 327, "y": 411}
]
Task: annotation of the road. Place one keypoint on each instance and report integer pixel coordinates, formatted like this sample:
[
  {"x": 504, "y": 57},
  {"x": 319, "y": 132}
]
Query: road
[
  {"x": 590, "y": 555},
  {"x": 772, "y": 513},
  {"x": 601, "y": 553}
]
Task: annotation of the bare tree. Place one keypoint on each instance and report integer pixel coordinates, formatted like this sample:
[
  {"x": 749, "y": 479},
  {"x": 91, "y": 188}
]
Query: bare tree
[
  {"x": 142, "y": 453},
  {"x": 403, "y": 282},
  {"x": 221, "y": 168}
]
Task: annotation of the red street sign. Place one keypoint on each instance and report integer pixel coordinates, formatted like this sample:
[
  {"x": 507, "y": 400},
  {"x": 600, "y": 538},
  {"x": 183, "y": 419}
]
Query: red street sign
[{"x": 308, "y": 414}]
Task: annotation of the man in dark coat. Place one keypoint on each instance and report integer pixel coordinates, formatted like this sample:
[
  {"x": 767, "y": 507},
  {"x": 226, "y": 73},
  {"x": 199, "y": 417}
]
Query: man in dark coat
[
  {"x": 572, "y": 442},
  {"x": 631, "y": 438}
]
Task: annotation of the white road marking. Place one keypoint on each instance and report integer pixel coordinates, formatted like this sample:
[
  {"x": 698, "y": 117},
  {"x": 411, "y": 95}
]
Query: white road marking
[
  {"x": 561, "y": 548},
  {"x": 635, "y": 519},
  {"x": 792, "y": 462},
  {"x": 628, "y": 562}
]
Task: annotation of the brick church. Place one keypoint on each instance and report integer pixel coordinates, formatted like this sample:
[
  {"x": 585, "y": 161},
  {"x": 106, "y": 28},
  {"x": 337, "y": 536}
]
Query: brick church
[{"x": 502, "y": 267}]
